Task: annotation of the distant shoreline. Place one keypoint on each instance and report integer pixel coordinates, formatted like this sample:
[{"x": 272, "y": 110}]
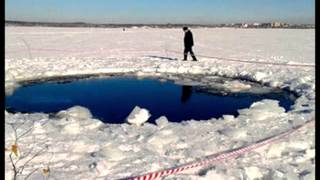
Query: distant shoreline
[{"x": 92, "y": 25}]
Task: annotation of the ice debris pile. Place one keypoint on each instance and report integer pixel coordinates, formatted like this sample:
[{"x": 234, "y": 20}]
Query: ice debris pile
[{"x": 79, "y": 146}]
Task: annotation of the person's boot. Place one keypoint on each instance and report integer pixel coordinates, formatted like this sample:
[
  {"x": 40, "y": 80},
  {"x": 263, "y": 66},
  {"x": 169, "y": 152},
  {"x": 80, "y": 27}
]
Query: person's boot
[
  {"x": 194, "y": 58},
  {"x": 184, "y": 57}
]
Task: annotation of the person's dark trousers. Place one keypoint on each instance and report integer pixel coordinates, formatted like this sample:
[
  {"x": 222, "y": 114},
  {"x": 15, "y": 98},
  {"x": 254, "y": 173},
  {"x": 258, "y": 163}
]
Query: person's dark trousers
[{"x": 185, "y": 53}]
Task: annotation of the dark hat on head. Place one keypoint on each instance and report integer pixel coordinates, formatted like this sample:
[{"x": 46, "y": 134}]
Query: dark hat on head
[{"x": 185, "y": 28}]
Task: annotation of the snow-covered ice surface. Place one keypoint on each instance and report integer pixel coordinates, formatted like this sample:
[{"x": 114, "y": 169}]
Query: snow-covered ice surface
[{"x": 75, "y": 146}]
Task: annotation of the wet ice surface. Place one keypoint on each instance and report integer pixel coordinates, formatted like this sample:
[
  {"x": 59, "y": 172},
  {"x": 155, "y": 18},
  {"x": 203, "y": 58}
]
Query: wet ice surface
[
  {"x": 78, "y": 146},
  {"x": 112, "y": 99}
]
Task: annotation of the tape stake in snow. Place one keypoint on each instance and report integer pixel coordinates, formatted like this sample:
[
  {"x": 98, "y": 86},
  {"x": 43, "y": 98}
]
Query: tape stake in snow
[{"x": 214, "y": 158}]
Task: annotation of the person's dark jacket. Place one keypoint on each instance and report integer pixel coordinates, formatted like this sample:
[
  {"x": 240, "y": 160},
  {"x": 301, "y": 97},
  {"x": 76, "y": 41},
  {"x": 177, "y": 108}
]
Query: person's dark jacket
[{"x": 188, "y": 39}]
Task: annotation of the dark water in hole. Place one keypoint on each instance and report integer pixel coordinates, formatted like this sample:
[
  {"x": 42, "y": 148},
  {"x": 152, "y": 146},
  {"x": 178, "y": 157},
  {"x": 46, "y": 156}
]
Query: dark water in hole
[{"x": 111, "y": 100}]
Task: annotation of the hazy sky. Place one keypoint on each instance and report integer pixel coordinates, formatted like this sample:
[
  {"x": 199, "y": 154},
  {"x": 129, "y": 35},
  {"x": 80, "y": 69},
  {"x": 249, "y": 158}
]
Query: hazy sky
[{"x": 161, "y": 11}]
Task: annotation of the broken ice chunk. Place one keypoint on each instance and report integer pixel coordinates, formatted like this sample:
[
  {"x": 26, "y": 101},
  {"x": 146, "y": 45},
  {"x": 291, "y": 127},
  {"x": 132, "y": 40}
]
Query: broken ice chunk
[
  {"x": 138, "y": 116},
  {"x": 162, "y": 121}
]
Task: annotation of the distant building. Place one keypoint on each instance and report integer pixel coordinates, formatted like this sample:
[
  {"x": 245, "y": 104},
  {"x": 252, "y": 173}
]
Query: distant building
[
  {"x": 244, "y": 25},
  {"x": 256, "y": 24},
  {"x": 309, "y": 26},
  {"x": 265, "y": 25},
  {"x": 276, "y": 24},
  {"x": 279, "y": 25},
  {"x": 285, "y": 25},
  {"x": 237, "y": 25}
]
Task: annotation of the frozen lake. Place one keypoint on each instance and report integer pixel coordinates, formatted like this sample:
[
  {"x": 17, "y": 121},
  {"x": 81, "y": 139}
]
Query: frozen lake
[
  {"x": 275, "y": 45},
  {"x": 76, "y": 141}
]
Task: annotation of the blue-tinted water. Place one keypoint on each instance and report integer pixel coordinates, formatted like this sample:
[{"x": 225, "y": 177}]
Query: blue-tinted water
[{"x": 111, "y": 100}]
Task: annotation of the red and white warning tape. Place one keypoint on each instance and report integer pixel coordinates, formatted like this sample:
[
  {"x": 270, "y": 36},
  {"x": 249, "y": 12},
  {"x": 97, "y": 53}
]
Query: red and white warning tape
[
  {"x": 213, "y": 158},
  {"x": 252, "y": 62}
]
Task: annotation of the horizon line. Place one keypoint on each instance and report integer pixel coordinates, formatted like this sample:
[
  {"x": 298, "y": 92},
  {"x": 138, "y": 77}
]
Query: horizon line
[{"x": 83, "y": 22}]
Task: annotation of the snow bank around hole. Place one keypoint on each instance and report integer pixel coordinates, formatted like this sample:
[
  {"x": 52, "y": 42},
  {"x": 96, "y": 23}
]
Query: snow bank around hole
[
  {"x": 78, "y": 146},
  {"x": 237, "y": 86},
  {"x": 263, "y": 109},
  {"x": 76, "y": 112}
]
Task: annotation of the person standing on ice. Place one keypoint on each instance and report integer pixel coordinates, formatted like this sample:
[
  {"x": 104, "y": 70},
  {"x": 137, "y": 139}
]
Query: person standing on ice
[{"x": 188, "y": 43}]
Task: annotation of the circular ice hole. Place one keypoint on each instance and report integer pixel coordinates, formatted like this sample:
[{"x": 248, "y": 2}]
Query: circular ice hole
[{"x": 112, "y": 99}]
